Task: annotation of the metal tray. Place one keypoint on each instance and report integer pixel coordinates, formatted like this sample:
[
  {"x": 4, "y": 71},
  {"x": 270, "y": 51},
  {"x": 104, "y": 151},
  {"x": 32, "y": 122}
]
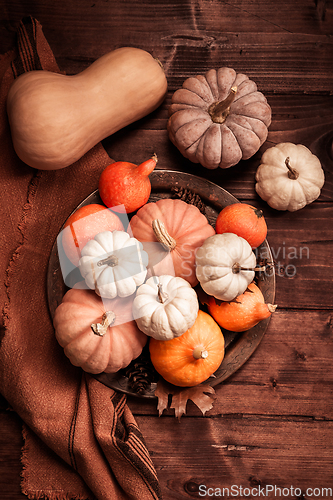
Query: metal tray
[{"x": 239, "y": 346}]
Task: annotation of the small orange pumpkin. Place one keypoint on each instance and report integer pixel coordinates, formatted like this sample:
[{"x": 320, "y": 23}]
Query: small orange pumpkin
[
  {"x": 245, "y": 221},
  {"x": 193, "y": 357},
  {"x": 97, "y": 335},
  {"x": 172, "y": 230},
  {"x": 242, "y": 313}
]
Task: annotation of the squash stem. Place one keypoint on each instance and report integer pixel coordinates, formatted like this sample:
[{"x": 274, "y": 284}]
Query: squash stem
[
  {"x": 220, "y": 110},
  {"x": 162, "y": 296},
  {"x": 100, "y": 329},
  {"x": 111, "y": 261},
  {"x": 162, "y": 235},
  {"x": 147, "y": 166},
  {"x": 292, "y": 174},
  {"x": 237, "y": 268},
  {"x": 259, "y": 213},
  {"x": 200, "y": 353}
]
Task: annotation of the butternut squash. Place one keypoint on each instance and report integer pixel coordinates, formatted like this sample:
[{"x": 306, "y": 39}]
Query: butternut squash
[{"x": 55, "y": 118}]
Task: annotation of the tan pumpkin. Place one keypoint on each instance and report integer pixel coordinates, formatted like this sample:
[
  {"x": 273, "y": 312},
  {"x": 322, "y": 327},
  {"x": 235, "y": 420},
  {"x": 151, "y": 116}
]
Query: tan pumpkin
[
  {"x": 218, "y": 119},
  {"x": 97, "y": 335},
  {"x": 55, "y": 119},
  {"x": 171, "y": 231}
]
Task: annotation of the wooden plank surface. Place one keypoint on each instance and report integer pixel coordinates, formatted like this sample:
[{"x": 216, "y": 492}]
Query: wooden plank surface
[
  {"x": 287, "y": 50},
  {"x": 271, "y": 423},
  {"x": 284, "y": 375},
  {"x": 240, "y": 452}
]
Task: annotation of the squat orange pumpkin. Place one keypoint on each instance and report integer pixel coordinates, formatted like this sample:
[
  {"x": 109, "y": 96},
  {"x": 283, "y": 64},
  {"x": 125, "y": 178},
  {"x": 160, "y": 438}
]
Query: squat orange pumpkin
[
  {"x": 245, "y": 221},
  {"x": 193, "y": 357},
  {"x": 179, "y": 229}
]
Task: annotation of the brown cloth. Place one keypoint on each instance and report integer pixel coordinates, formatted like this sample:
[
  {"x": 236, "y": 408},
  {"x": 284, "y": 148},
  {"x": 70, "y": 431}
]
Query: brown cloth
[{"x": 81, "y": 440}]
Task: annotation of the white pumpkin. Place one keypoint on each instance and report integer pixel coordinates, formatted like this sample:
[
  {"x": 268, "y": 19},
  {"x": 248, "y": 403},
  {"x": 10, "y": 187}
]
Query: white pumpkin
[
  {"x": 113, "y": 264},
  {"x": 225, "y": 266},
  {"x": 165, "y": 307},
  {"x": 289, "y": 177}
]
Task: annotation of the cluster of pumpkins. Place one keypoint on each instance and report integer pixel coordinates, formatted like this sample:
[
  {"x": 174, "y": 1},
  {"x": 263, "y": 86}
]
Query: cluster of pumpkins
[
  {"x": 139, "y": 286},
  {"x": 216, "y": 119},
  {"x": 141, "y": 282}
]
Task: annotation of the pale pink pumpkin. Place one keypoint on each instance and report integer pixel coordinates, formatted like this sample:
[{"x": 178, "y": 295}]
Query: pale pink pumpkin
[
  {"x": 180, "y": 228},
  {"x": 97, "y": 335}
]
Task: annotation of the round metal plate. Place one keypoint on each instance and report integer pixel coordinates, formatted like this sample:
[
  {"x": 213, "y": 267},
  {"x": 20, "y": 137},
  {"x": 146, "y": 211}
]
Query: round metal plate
[{"x": 239, "y": 346}]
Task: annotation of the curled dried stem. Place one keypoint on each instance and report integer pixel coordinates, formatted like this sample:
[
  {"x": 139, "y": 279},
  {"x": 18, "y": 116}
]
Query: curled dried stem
[
  {"x": 162, "y": 235},
  {"x": 220, "y": 110},
  {"x": 292, "y": 174},
  {"x": 100, "y": 329}
]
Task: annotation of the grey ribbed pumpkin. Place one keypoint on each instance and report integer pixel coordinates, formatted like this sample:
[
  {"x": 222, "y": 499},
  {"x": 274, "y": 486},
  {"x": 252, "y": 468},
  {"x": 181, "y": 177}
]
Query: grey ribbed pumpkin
[{"x": 218, "y": 119}]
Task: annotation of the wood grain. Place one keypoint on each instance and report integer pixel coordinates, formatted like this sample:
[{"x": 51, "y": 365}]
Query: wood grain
[
  {"x": 287, "y": 51},
  {"x": 239, "y": 451},
  {"x": 289, "y": 374}
]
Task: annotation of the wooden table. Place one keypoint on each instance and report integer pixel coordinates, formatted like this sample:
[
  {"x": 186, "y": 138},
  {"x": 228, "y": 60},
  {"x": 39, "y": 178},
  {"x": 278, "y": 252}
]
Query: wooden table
[{"x": 272, "y": 421}]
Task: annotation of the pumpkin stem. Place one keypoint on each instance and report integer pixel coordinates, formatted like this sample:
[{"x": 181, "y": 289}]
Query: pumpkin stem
[
  {"x": 111, "y": 261},
  {"x": 162, "y": 235},
  {"x": 100, "y": 329},
  {"x": 259, "y": 213},
  {"x": 237, "y": 268},
  {"x": 200, "y": 353},
  {"x": 220, "y": 110},
  {"x": 159, "y": 62},
  {"x": 162, "y": 296},
  {"x": 292, "y": 174}
]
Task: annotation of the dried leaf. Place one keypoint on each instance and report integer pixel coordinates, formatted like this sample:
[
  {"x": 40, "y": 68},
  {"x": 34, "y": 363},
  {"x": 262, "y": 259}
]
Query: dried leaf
[
  {"x": 202, "y": 396},
  {"x": 162, "y": 394}
]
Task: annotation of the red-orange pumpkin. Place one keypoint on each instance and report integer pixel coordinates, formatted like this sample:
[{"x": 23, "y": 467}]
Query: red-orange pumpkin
[
  {"x": 97, "y": 335},
  {"x": 171, "y": 231},
  {"x": 245, "y": 221}
]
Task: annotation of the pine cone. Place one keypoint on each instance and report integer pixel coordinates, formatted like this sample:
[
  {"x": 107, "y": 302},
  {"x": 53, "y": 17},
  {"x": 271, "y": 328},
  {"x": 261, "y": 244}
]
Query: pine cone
[
  {"x": 141, "y": 373},
  {"x": 189, "y": 197}
]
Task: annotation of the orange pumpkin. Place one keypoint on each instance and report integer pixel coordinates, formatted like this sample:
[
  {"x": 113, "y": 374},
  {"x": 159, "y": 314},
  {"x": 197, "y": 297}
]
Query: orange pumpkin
[
  {"x": 244, "y": 312},
  {"x": 97, "y": 335},
  {"x": 245, "y": 221},
  {"x": 193, "y": 357},
  {"x": 171, "y": 231}
]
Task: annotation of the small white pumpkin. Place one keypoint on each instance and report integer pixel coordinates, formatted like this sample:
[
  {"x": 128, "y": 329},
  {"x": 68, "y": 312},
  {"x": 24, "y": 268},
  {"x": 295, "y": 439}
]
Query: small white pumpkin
[
  {"x": 225, "y": 266},
  {"x": 113, "y": 264},
  {"x": 289, "y": 177},
  {"x": 165, "y": 307}
]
